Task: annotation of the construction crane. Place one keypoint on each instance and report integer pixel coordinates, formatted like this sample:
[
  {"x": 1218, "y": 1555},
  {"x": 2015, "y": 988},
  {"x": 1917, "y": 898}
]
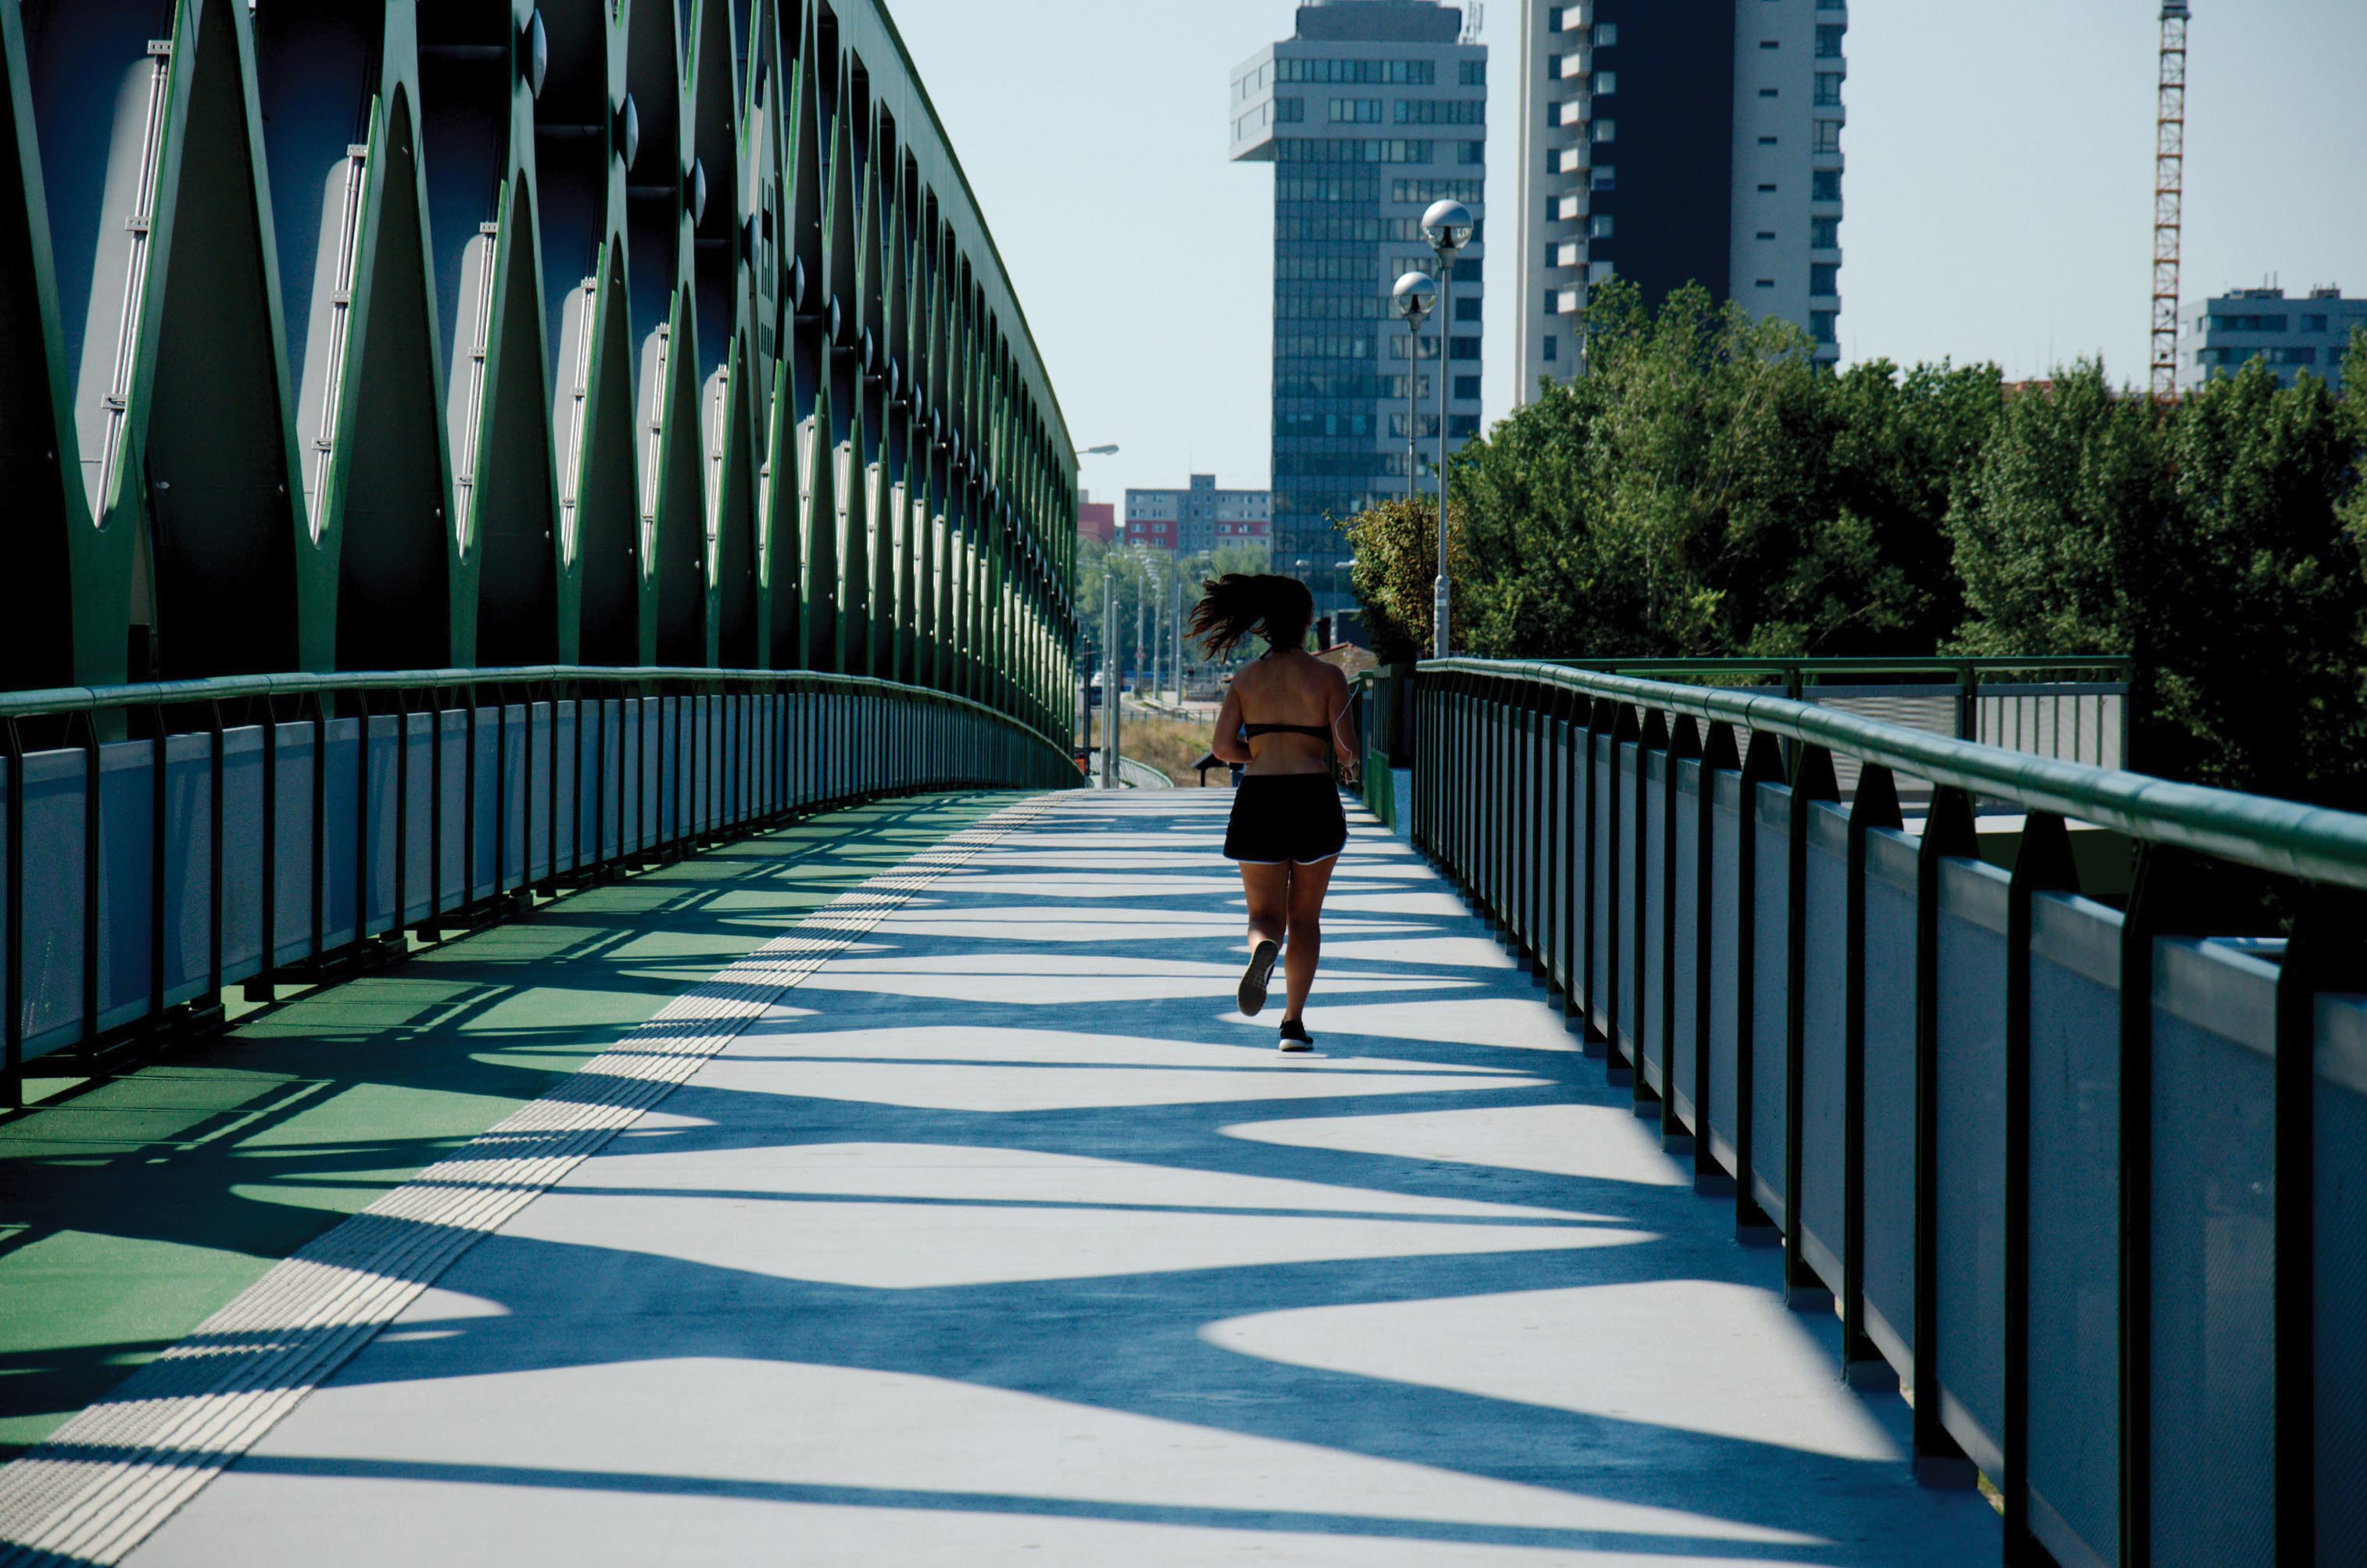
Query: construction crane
[{"x": 2168, "y": 198}]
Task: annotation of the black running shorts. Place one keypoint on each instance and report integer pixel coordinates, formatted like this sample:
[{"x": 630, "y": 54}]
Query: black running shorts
[{"x": 1296, "y": 817}]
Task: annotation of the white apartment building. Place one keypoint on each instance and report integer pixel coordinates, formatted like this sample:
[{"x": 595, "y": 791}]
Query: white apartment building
[{"x": 1669, "y": 142}]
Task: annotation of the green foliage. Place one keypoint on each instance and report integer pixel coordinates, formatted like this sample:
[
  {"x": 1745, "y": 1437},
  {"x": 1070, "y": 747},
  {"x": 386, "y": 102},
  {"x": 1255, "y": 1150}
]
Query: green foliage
[
  {"x": 1395, "y": 576},
  {"x": 1705, "y": 489}
]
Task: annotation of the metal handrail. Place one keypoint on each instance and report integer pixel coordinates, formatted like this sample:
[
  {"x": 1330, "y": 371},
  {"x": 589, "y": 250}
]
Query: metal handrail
[
  {"x": 173, "y": 693},
  {"x": 2287, "y": 838},
  {"x": 2125, "y": 667}
]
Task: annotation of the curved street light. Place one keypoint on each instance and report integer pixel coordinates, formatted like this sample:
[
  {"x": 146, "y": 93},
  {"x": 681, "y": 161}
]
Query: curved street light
[
  {"x": 1413, "y": 297},
  {"x": 1448, "y": 226}
]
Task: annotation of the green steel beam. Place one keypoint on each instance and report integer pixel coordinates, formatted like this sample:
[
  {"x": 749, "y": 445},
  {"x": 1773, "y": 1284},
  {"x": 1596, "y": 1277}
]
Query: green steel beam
[{"x": 458, "y": 366}]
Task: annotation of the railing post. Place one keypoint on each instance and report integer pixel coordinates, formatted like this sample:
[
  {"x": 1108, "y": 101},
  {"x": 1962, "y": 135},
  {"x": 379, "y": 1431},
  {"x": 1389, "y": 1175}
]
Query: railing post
[{"x": 1718, "y": 755}]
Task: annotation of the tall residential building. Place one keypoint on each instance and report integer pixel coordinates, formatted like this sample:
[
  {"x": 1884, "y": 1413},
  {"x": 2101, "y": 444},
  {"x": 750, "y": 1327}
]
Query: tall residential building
[
  {"x": 2291, "y": 335},
  {"x": 1370, "y": 112},
  {"x": 1200, "y": 518},
  {"x": 1669, "y": 141}
]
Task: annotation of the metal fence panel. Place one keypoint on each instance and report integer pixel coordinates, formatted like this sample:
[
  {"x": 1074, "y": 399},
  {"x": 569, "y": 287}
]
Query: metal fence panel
[
  {"x": 420, "y": 789},
  {"x": 1685, "y": 957},
  {"x": 127, "y": 838},
  {"x": 1725, "y": 1038},
  {"x": 1770, "y": 997},
  {"x": 339, "y": 873},
  {"x": 1888, "y": 1106},
  {"x": 1621, "y": 882},
  {"x": 2214, "y": 1255},
  {"x": 1651, "y": 1002},
  {"x": 1824, "y": 1046},
  {"x": 55, "y": 821},
  {"x": 2075, "y": 1197},
  {"x": 242, "y": 853},
  {"x": 1601, "y": 881},
  {"x": 452, "y": 793},
  {"x": 2341, "y": 1261},
  {"x": 377, "y": 764},
  {"x": 1969, "y": 1234},
  {"x": 295, "y": 882},
  {"x": 188, "y": 866}
]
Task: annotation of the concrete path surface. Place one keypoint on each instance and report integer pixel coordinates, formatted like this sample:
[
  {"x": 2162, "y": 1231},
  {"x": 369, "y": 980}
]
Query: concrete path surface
[{"x": 1003, "y": 1239}]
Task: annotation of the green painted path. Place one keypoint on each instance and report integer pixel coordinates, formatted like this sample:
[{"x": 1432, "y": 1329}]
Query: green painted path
[{"x": 133, "y": 1208}]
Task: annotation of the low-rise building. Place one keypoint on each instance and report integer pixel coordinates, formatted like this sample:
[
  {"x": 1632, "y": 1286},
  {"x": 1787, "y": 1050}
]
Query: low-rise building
[
  {"x": 1200, "y": 518},
  {"x": 1096, "y": 519},
  {"x": 2291, "y": 335}
]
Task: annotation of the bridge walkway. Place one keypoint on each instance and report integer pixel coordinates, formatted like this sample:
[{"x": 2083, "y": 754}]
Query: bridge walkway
[{"x": 968, "y": 1223}]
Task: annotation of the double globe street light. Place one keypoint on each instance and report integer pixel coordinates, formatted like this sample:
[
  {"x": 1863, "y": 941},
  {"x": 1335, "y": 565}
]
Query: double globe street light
[{"x": 1448, "y": 226}]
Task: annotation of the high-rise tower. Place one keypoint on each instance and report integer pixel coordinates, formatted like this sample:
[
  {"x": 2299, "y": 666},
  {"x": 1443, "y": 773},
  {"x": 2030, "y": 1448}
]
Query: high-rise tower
[
  {"x": 1370, "y": 112},
  {"x": 1669, "y": 142}
]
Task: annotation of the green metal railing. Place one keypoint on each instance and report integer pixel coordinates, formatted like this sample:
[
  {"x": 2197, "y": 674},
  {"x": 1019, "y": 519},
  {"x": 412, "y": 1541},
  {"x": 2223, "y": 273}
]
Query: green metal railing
[
  {"x": 274, "y": 825},
  {"x": 2082, "y": 1170}
]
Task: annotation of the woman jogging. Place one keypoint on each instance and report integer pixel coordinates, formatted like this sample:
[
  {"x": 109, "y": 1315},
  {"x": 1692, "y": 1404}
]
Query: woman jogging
[{"x": 1285, "y": 716}]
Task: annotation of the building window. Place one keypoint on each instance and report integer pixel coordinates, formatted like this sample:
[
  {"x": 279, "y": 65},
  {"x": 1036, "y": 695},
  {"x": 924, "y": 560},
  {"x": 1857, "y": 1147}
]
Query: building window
[
  {"x": 1606, "y": 179},
  {"x": 1475, "y": 72},
  {"x": 1475, "y": 154},
  {"x": 1767, "y": 141},
  {"x": 1553, "y": 349},
  {"x": 1441, "y": 111},
  {"x": 1355, "y": 111},
  {"x": 2313, "y": 323},
  {"x": 1769, "y": 44},
  {"x": 1462, "y": 426},
  {"x": 1824, "y": 233},
  {"x": 1824, "y": 279},
  {"x": 1828, "y": 43},
  {"x": 1606, "y": 130},
  {"x": 1600, "y": 272},
  {"x": 1767, "y": 190},
  {"x": 1829, "y": 136},
  {"x": 1770, "y": 92},
  {"x": 1466, "y": 308},
  {"x": 1606, "y": 35},
  {"x": 1606, "y": 83},
  {"x": 1601, "y": 226},
  {"x": 1290, "y": 111},
  {"x": 1766, "y": 283},
  {"x": 1829, "y": 89},
  {"x": 1825, "y": 184},
  {"x": 1358, "y": 72},
  {"x": 1464, "y": 348},
  {"x": 1467, "y": 388},
  {"x": 1824, "y": 326},
  {"x": 1766, "y": 233}
]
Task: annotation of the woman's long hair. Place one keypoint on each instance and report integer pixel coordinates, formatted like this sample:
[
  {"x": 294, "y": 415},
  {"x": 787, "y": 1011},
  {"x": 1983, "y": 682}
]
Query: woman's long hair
[{"x": 1236, "y": 606}]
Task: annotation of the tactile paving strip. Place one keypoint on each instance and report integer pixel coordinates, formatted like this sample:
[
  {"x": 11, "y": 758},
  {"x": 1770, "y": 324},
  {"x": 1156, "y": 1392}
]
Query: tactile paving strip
[{"x": 109, "y": 1477}]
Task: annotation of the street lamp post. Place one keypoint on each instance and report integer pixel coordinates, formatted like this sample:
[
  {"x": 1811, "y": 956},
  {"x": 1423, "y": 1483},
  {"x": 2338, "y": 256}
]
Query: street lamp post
[
  {"x": 1108, "y": 450},
  {"x": 1414, "y": 296},
  {"x": 1448, "y": 226}
]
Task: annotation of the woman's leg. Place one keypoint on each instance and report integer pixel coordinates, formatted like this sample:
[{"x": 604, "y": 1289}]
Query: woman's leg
[
  {"x": 1268, "y": 887},
  {"x": 1307, "y": 885}
]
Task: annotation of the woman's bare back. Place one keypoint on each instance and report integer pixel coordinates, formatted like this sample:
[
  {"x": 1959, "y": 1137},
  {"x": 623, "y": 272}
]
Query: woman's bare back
[{"x": 1292, "y": 687}]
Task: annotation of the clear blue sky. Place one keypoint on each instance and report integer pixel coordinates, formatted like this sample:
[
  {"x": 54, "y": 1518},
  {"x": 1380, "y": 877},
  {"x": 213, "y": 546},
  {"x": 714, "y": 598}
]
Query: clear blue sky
[{"x": 2001, "y": 179}]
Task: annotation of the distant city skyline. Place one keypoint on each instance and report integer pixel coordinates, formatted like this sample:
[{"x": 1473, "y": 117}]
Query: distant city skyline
[{"x": 1999, "y": 192}]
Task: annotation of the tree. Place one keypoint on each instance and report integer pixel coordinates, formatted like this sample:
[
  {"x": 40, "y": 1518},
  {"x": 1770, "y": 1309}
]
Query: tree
[{"x": 1395, "y": 576}]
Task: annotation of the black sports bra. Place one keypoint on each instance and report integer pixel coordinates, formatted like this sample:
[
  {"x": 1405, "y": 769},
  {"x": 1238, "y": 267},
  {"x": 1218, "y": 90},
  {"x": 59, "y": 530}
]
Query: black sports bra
[{"x": 1315, "y": 731}]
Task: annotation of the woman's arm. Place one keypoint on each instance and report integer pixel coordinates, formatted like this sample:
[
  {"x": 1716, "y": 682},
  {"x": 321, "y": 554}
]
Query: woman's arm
[
  {"x": 1343, "y": 731},
  {"x": 1229, "y": 745}
]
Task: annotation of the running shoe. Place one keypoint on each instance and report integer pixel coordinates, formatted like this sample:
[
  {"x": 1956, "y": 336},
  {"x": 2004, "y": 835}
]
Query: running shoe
[
  {"x": 1294, "y": 1036},
  {"x": 1254, "y": 978}
]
